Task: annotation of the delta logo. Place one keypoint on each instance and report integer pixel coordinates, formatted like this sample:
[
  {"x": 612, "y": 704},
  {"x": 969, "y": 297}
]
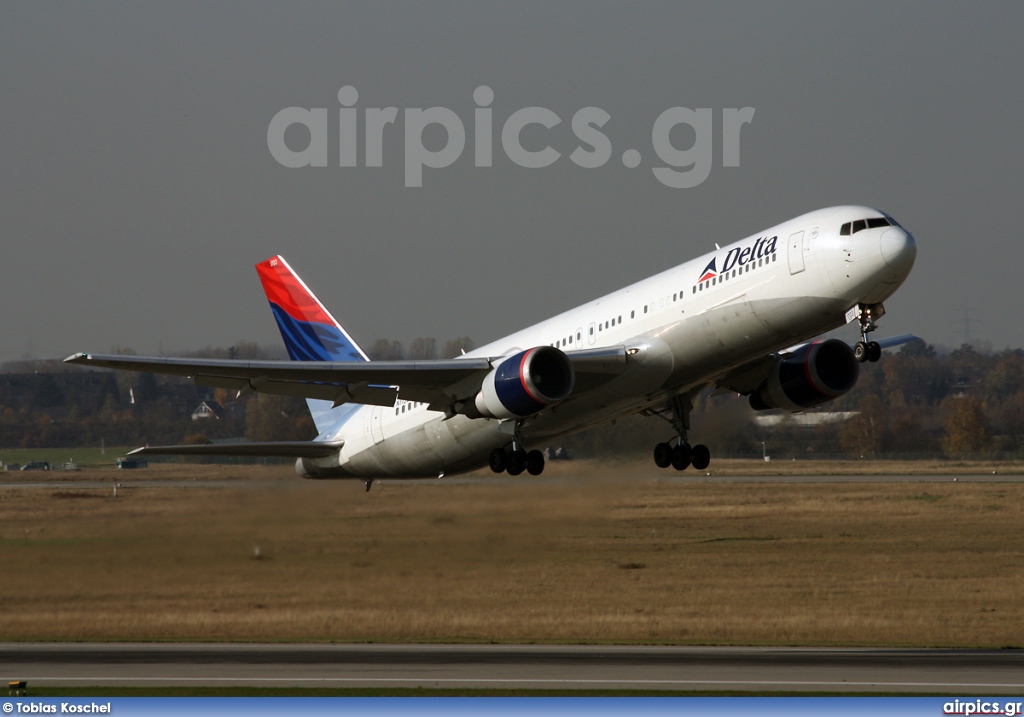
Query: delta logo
[
  {"x": 710, "y": 272},
  {"x": 739, "y": 257}
]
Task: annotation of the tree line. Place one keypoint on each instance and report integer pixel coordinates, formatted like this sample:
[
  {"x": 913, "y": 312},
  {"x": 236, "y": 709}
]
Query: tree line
[{"x": 916, "y": 402}]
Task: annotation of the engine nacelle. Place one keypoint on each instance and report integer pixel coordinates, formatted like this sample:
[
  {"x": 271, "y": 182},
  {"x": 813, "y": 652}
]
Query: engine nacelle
[
  {"x": 526, "y": 383},
  {"x": 816, "y": 373}
]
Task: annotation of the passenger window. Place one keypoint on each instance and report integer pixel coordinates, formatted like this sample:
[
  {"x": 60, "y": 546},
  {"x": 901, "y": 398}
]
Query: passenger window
[{"x": 632, "y": 314}]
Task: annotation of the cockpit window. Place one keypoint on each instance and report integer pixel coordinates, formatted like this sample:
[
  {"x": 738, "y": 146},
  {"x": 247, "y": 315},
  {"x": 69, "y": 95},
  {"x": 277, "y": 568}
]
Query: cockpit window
[{"x": 870, "y": 223}]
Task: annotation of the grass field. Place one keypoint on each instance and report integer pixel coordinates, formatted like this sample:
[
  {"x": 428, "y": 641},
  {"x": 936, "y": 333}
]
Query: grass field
[{"x": 592, "y": 555}]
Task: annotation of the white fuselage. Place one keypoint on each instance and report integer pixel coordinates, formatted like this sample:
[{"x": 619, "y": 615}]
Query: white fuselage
[{"x": 779, "y": 287}]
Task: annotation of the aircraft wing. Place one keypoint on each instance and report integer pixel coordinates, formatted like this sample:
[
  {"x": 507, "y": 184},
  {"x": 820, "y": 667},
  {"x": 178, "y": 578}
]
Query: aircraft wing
[
  {"x": 748, "y": 377},
  {"x": 438, "y": 383}
]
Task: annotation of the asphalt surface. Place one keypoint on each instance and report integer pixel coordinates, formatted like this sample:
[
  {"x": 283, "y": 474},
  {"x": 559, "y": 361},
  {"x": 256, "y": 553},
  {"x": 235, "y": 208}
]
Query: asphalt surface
[
  {"x": 666, "y": 476},
  {"x": 757, "y": 670}
]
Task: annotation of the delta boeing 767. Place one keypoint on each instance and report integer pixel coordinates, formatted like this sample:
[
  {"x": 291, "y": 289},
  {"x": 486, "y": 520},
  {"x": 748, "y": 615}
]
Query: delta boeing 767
[{"x": 741, "y": 319}]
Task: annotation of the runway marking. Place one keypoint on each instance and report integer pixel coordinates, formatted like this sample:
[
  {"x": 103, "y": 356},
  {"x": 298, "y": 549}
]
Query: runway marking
[{"x": 843, "y": 683}]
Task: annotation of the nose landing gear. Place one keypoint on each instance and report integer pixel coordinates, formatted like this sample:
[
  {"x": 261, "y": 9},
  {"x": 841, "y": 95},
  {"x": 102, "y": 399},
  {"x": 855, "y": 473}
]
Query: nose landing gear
[{"x": 865, "y": 349}]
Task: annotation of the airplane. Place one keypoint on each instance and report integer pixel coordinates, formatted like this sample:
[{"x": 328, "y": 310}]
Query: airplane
[{"x": 741, "y": 319}]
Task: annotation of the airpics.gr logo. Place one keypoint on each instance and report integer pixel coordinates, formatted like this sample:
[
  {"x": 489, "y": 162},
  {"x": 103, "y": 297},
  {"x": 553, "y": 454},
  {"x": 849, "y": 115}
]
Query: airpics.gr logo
[
  {"x": 683, "y": 168},
  {"x": 740, "y": 257}
]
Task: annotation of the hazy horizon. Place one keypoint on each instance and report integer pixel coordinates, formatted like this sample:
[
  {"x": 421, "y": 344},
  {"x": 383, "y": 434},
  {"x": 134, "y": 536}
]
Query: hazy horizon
[{"x": 139, "y": 188}]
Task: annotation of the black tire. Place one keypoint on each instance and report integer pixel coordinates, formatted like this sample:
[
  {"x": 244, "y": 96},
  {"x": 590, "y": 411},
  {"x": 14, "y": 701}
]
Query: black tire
[
  {"x": 535, "y": 463},
  {"x": 860, "y": 351},
  {"x": 681, "y": 456},
  {"x": 874, "y": 351},
  {"x": 663, "y": 455},
  {"x": 701, "y": 457},
  {"x": 515, "y": 462},
  {"x": 497, "y": 460}
]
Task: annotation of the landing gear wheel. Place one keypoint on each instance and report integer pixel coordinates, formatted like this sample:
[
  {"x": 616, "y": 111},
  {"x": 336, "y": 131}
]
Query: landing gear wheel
[
  {"x": 497, "y": 460},
  {"x": 860, "y": 351},
  {"x": 663, "y": 455},
  {"x": 701, "y": 457},
  {"x": 515, "y": 462},
  {"x": 681, "y": 456},
  {"x": 535, "y": 463},
  {"x": 874, "y": 351}
]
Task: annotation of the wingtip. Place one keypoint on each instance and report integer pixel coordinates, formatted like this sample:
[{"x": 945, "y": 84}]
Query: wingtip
[{"x": 77, "y": 358}]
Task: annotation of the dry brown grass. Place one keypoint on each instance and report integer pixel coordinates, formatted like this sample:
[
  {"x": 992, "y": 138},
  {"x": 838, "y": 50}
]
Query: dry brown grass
[{"x": 613, "y": 556}]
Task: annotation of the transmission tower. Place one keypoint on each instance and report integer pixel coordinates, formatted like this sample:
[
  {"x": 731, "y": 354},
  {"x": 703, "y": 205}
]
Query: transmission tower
[{"x": 967, "y": 321}]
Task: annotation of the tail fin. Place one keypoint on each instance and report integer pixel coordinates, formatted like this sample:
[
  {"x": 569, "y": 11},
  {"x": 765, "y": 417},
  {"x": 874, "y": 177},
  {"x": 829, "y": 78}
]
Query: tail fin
[{"x": 309, "y": 331}]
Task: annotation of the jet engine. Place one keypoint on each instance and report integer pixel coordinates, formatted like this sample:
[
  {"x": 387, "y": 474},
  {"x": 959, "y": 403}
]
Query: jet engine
[
  {"x": 526, "y": 383},
  {"x": 818, "y": 372}
]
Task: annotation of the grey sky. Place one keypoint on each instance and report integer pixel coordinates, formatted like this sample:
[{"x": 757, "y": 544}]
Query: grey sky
[{"x": 138, "y": 190}]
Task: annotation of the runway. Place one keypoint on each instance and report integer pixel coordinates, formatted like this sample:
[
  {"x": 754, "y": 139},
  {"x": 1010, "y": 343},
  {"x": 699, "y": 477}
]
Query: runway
[
  {"x": 667, "y": 477},
  {"x": 744, "y": 669}
]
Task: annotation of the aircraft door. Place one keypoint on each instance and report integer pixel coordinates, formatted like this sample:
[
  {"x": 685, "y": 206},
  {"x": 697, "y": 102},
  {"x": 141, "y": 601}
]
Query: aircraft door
[
  {"x": 579, "y": 338},
  {"x": 376, "y": 431},
  {"x": 796, "y": 253},
  {"x": 592, "y": 335}
]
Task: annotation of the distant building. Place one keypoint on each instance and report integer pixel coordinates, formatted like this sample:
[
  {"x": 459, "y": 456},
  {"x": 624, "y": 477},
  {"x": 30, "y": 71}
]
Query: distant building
[
  {"x": 207, "y": 410},
  {"x": 806, "y": 420}
]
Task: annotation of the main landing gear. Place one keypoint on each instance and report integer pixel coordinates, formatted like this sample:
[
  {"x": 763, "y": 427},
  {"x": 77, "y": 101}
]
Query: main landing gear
[
  {"x": 677, "y": 452},
  {"x": 515, "y": 459},
  {"x": 866, "y": 350}
]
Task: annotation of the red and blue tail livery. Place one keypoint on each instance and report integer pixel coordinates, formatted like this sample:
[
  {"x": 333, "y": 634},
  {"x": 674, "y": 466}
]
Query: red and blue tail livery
[{"x": 309, "y": 331}]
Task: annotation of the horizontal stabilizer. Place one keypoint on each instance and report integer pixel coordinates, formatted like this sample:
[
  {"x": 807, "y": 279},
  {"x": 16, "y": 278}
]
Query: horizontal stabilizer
[{"x": 274, "y": 449}]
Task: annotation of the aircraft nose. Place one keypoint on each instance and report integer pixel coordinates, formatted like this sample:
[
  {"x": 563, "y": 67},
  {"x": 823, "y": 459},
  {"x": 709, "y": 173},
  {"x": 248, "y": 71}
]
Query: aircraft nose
[{"x": 898, "y": 248}]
